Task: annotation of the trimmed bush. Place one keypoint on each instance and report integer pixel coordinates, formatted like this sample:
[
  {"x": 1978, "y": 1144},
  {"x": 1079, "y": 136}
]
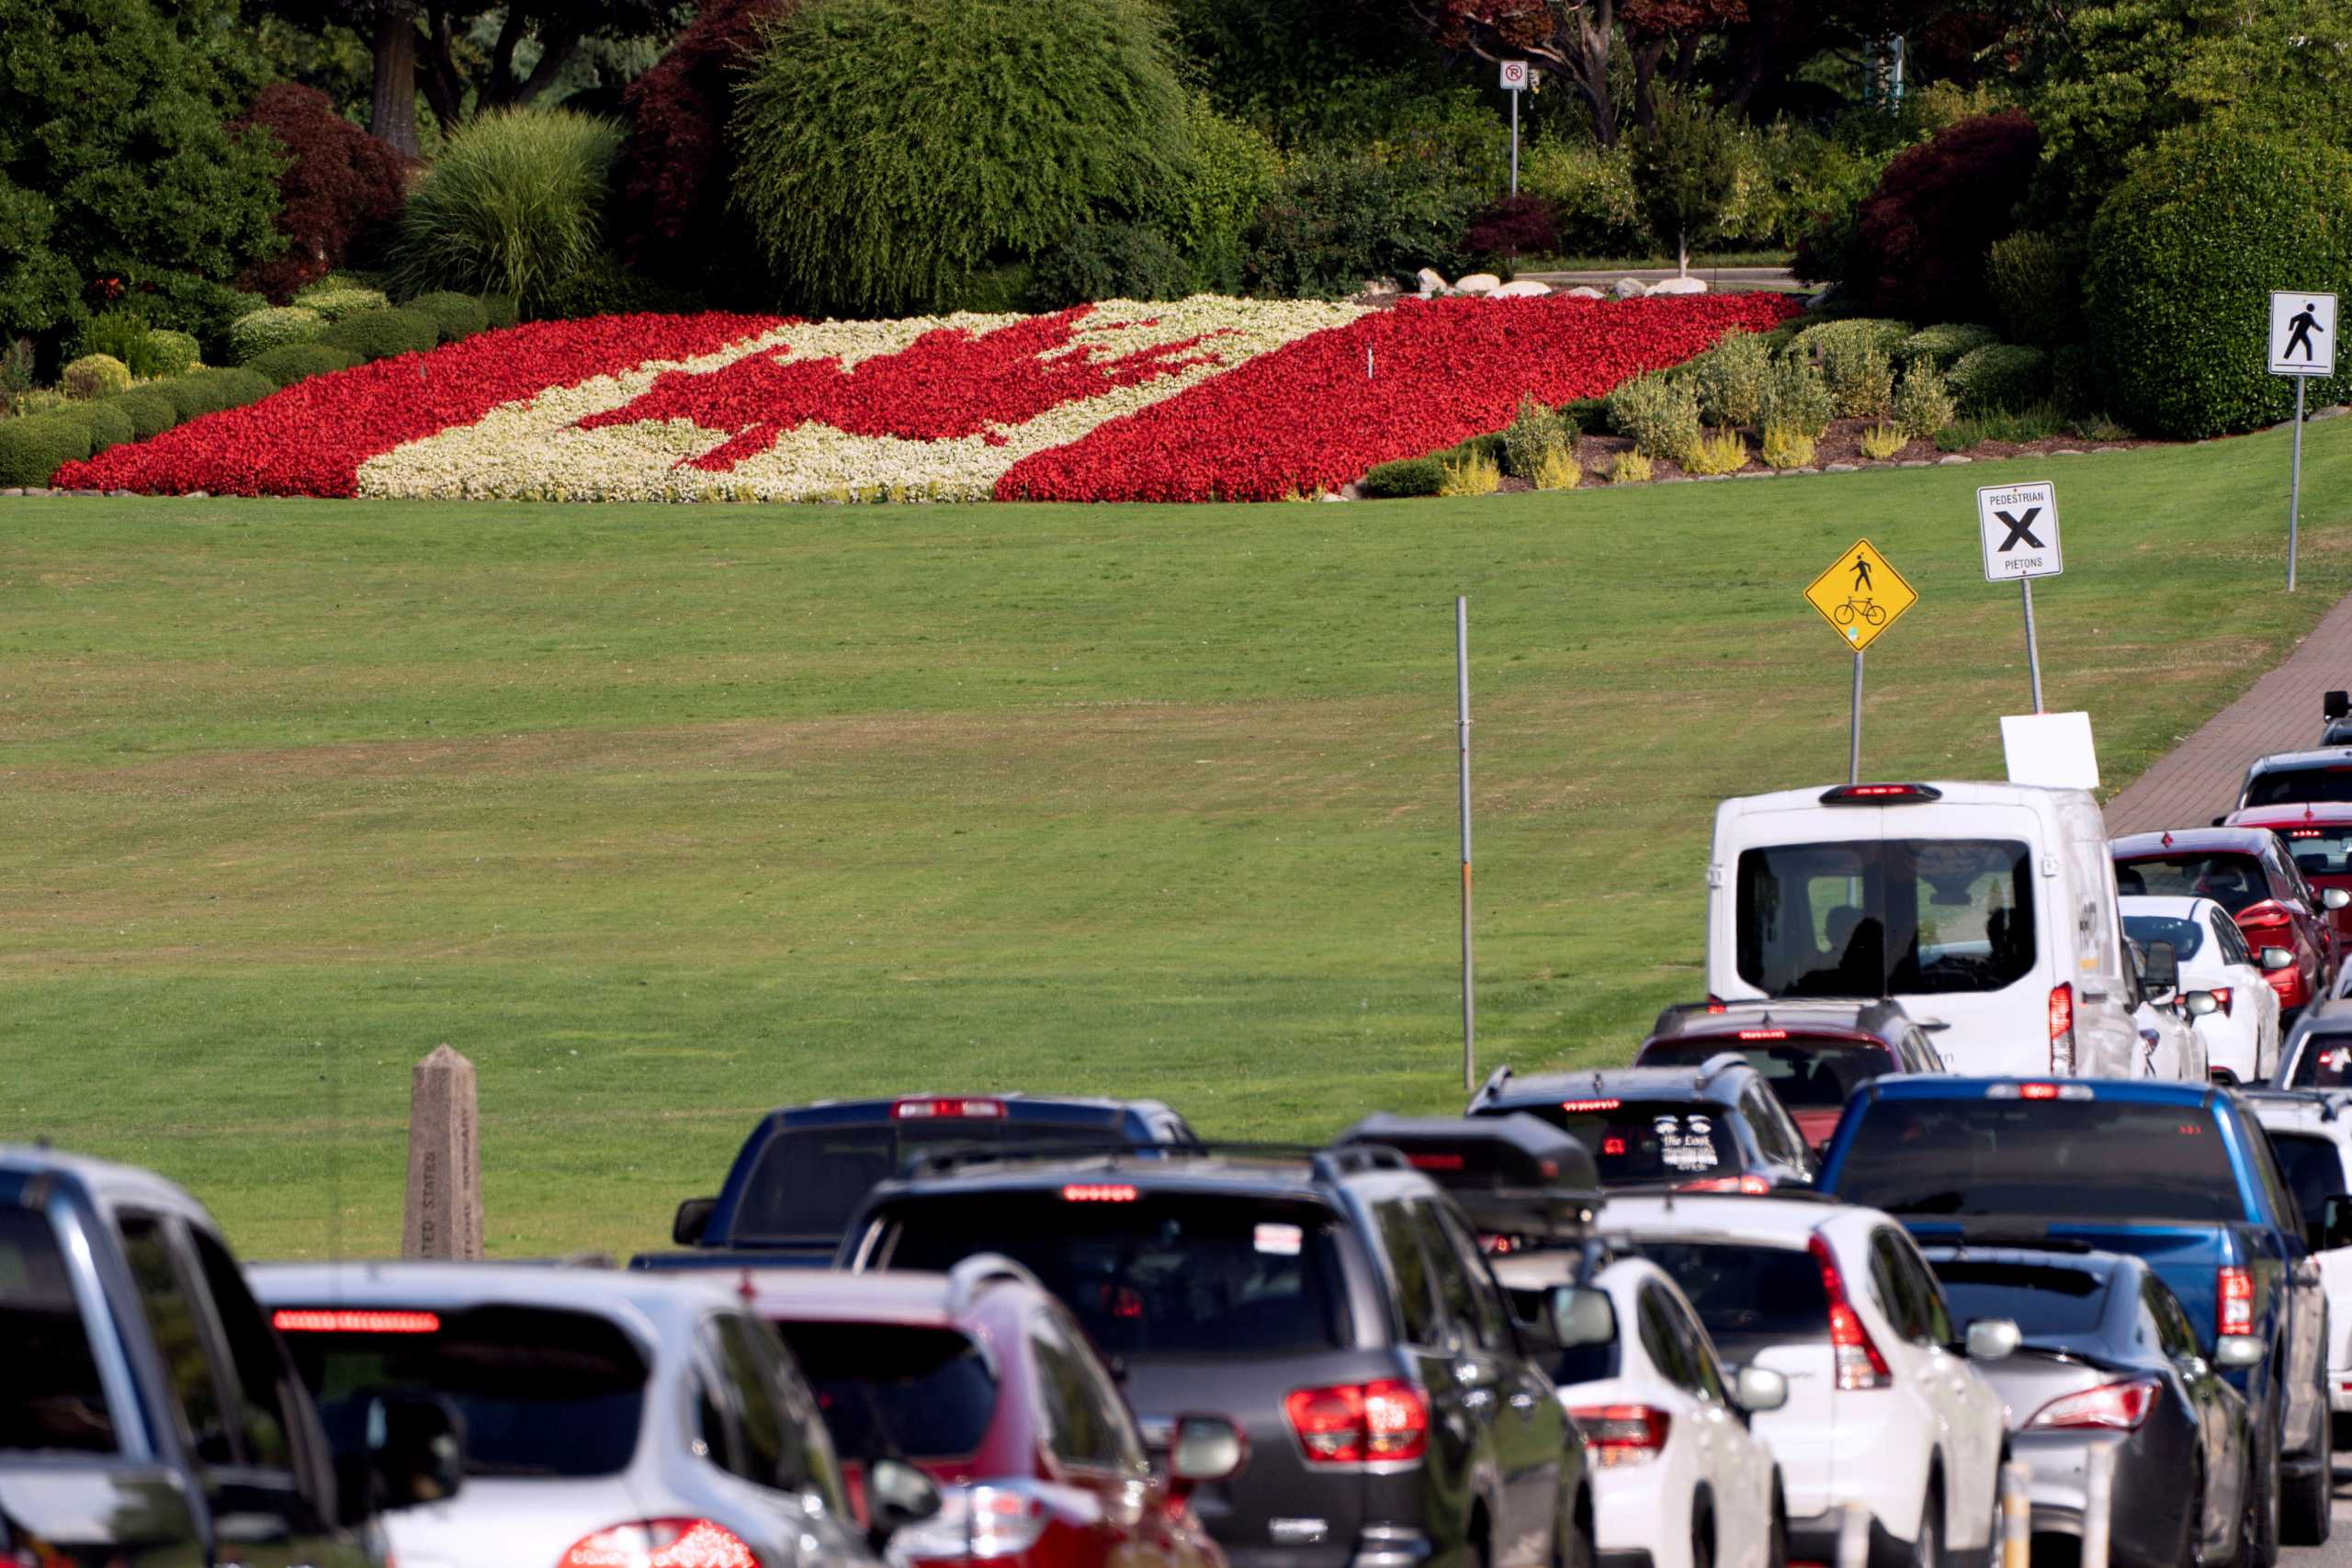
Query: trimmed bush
[
  {"x": 1630, "y": 468},
  {"x": 35, "y": 448},
  {"x": 1730, "y": 379},
  {"x": 1923, "y": 404},
  {"x": 110, "y": 425},
  {"x": 499, "y": 310},
  {"x": 1589, "y": 414},
  {"x": 119, "y": 333},
  {"x": 1535, "y": 433},
  {"x": 292, "y": 362},
  {"x": 514, "y": 203},
  {"x": 1662, "y": 415},
  {"x": 151, "y": 412},
  {"x": 1941, "y": 345},
  {"x": 334, "y": 301},
  {"x": 2000, "y": 375},
  {"x": 1796, "y": 400},
  {"x": 251, "y": 336},
  {"x": 1109, "y": 261},
  {"x": 2180, "y": 336},
  {"x": 1474, "y": 473},
  {"x": 380, "y": 335},
  {"x": 605, "y": 288},
  {"x": 1860, "y": 379},
  {"x": 1881, "y": 442},
  {"x": 339, "y": 193},
  {"x": 1716, "y": 452},
  {"x": 1887, "y": 336},
  {"x": 1921, "y": 238},
  {"x": 2037, "y": 286},
  {"x": 170, "y": 353},
  {"x": 1401, "y": 479},
  {"x": 455, "y": 315},
  {"x": 1785, "y": 448},
  {"x": 95, "y": 376},
  {"x": 210, "y": 391},
  {"x": 1033, "y": 117}
]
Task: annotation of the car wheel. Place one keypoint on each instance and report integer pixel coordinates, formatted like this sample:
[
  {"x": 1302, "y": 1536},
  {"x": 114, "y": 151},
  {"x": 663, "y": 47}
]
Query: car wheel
[
  {"x": 1927, "y": 1552},
  {"x": 2266, "y": 1510},
  {"x": 2310, "y": 1497},
  {"x": 1777, "y": 1552},
  {"x": 2247, "y": 1552},
  {"x": 1703, "y": 1540},
  {"x": 1571, "y": 1541},
  {"x": 2192, "y": 1535}
]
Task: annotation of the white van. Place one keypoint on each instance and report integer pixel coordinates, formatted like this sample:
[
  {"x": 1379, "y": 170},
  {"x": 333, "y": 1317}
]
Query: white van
[{"x": 1988, "y": 910}]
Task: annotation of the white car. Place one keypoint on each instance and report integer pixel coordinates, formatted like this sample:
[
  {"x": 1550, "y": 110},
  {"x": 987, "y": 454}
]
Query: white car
[
  {"x": 2241, "y": 1032},
  {"x": 1883, "y": 1408},
  {"x": 2312, "y": 1137},
  {"x": 1678, "y": 1480}
]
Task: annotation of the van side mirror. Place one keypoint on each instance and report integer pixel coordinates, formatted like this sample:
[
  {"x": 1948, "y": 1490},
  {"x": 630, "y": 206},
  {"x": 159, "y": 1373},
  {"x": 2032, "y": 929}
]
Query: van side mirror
[
  {"x": 2160, "y": 974},
  {"x": 2276, "y": 958},
  {"x": 692, "y": 1221}
]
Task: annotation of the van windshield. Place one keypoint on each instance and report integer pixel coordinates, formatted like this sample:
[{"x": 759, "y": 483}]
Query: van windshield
[{"x": 1886, "y": 917}]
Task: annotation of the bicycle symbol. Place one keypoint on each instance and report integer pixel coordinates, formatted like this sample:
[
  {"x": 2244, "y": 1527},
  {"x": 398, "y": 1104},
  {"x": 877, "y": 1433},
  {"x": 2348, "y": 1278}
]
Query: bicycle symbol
[{"x": 1844, "y": 613}]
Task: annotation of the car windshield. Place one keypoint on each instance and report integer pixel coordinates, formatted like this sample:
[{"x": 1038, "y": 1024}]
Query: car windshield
[
  {"x": 2047, "y": 1301},
  {"x": 1640, "y": 1142},
  {"x": 1774, "y": 1292},
  {"x": 1148, "y": 1272},
  {"x": 2323, "y": 1060},
  {"x": 2186, "y": 936},
  {"x": 2232, "y": 878},
  {"x": 543, "y": 1391},
  {"x": 1885, "y": 917},
  {"x": 2106, "y": 1159},
  {"x": 51, "y": 1398},
  {"x": 2320, "y": 851},
  {"x": 810, "y": 1180},
  {"x": 2293, "y": 786},
  {"x": 2314, "y": 1171},
  {"x": 890, "y": 1389},
  {"x": 1808, "y": 1072}
]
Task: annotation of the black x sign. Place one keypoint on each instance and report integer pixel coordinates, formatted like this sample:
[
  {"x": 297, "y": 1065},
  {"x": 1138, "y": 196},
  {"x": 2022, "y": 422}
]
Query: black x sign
[{"x": 2020, "y": 528}]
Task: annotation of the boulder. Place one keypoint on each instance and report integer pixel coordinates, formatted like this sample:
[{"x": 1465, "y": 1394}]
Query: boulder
[
  {"x": 1582, "y": 292},
  {"x": 1478, "y": 283},
  {"x": 1679, "y": 285},
  {"x": 1377, "y": 289},
  {"x": 1433, "y": 282},
  {"x": 1628, "y": 289},
  {"x": 1522, "y": 288}
]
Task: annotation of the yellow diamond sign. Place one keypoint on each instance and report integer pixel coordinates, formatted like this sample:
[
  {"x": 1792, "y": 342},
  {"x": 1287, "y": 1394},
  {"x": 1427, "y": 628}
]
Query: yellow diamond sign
[{"x": 1861, "y": 595}]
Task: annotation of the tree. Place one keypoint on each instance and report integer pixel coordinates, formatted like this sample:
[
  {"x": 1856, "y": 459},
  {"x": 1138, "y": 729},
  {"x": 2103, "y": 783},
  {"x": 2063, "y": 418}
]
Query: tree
[
  {"x": 1578, "y": 38},
  {"x": 1683, "y": 169}
]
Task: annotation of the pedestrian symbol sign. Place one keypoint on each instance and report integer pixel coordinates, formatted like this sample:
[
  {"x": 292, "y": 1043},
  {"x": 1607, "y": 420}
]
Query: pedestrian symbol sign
[
  {"x": 1860, "y": 595},
  {"x": 2302, "y": 334}
]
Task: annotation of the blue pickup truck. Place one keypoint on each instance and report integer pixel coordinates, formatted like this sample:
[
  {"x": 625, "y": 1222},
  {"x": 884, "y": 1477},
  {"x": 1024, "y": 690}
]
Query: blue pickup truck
[
  {"x": 2179, "y": 1174},
  {"x": 806, "y": 1169}
]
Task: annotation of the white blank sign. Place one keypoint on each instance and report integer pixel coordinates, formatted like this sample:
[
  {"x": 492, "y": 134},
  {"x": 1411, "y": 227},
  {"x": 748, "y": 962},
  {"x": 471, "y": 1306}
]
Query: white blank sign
[
  {"x": 2302, "y": 334},
  {"x": 2053, "y": 749}
]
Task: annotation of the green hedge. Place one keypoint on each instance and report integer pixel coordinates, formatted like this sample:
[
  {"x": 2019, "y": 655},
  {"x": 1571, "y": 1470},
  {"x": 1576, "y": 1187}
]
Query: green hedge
[
  {"x": 1855, "y": 332},
  {"x": 110, "y": 425},
  {"x": 299, "y": 361},
  {"x": 456, "y": 315},
  {"x": 35, "y": 448},
  {"x": 501, "y": 311},
  {"x": 2000, "y": 375},
  {"x": 151, "y": 412},
  {"x": 1942, "y": 345},
  {"x": 380, "y": 334},
  {"x": 1406, "y": 478},
  {"x": 250, "y": 336},
  {"x": 336, "y": 303},
  {"x": 210, "y": 391},
  {"x": 170, "y": 353}
]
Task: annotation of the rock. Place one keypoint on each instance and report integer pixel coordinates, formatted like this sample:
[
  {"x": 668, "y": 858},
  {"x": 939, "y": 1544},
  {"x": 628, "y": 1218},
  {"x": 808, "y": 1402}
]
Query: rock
[
  {"x": 121, "y": 494},
  {"x": 1351, "y": 492},
  {"x": 1628, "y": 289},
  {"x": 1583, "y": 291},
  {"x": 2066, "y": 452},
  {"x": 1334, "y": 495},
  {"x": 1478, "y": 283},
  {"x": 199, "y": 495},
  {"x": 1522, "y": 289},
  {"x": 1679, "y": 285},
  {"x": 1917, "y": 463},
  {"x": 1953, "y": 460},
  {"x": 1378, "y": 288},
  {"x": 1841, "y": 468},
  {"x": 1433, "y": 282},
  {"x": 11, "y": 492},
  {"x": 1805, "y": 470}
]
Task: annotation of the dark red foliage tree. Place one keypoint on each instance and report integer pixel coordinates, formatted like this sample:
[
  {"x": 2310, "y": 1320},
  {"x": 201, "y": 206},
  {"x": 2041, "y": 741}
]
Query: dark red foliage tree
[
  {"x": 336, "y": 197},
  {"x": 1514, "y": 226},
  {"x": 677, "y": 166},
  {"x": 1923, "y": 235}
]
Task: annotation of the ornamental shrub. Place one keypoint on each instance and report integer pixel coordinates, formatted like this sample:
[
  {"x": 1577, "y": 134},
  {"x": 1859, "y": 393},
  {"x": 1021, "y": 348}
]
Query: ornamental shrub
[
  {"x": 1474, "y": 473},
  {"x": 151, "y": 412},
  {"x": 117, "y": 333},
  {"x": 1940, "y": 345},
  {"x": 170, "y": 353},
  {"x": 110, "y": 425},
  {"x": 1108, "y": 261},
  {"x": 1716, "y": 452},
  {"x": 1921, "y": 238},
  {"x": 210, "y": 391},
  {"x": 456, "y": 315},
  {"x": 1535, "y": 434},
  {"x": 1861, "y": 378},
  {"x": 1880, "y": 442},
  {"x": 292, "y": 362},
  {"x": 338, "y": 196},
  {"x": 35, "y": 448},
  {"x": 1797, "y": 398},
  {"x": 1783, "y": 447},
  {"x": 1596, "y": 211},
  {"x": 1558, "y": 471},
  {"x": 1660, "y": 414},
  {"x": 1406, "y": 478},
  {"x": 380, "y": 335},
  {"x": 334, "y": 302},
  {"x": 1510, "y": 227},
  {"x": 2037, "y": 286},
  {"x": 2181, "y": 334},
  {"x": 1030, "y": 117},
  {"x": 2000, "y": 375},
  {"x": 499, "y": 310},
  {"x": 251, "y": 336},
  {"x": 1343, "y": 216},
  {"x": 602, "y": 287},
  {"x": 1630, "y": 468},
  {"x": 1887, "y": 336},
  {"x": 1730, "y": 379},
  {"x": 1923, "y": 403},
  {"x": 514, "y": 203},
  {"x": 95, "y": 376}
]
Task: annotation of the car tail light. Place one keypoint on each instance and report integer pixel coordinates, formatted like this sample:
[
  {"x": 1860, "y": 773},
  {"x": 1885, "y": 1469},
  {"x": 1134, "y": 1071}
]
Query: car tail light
[
  {"x": 2118, "y": 1406},
  {"x": 1752, "y": 1185},
  {"x": 662, "y": 1543},
  {"x": 1098, "y": 1192},
  {"x": 2062, "y": 1029},
  {"x": 925, "y": 1109},
  {"x": 1359, "y": 1423},
  {"x": 1880, "y": 794},
  {"x": 2039, "y": 1091},
  {"x": 1591, "y": 1104},
  {"x": 1860, "y": 1365},
  {"x": 975, "y": 1523},
  {"x": 2223, "y": 997},
  {"x": 298, "y": 1321},
  {"x": 1763, "y": 1034},
  {"x": 2237, "y": 1300},
  {"x": 1622, "y": 1434}
]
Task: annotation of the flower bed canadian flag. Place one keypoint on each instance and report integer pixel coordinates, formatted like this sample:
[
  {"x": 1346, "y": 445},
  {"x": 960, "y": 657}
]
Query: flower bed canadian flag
[{"x": 1204, "y": 399}]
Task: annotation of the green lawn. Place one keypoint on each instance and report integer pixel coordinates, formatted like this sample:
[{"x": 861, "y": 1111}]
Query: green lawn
[{"x": 666, "y": 816}]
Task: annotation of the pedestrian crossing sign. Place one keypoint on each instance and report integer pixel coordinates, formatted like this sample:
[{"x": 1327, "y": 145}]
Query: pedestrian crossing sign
[
  {"x": 1860, "y": 595},
  {"x": 2302, "y": 334}
]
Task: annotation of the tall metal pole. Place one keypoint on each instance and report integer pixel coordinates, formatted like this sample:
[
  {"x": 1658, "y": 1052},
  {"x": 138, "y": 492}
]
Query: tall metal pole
[
  {"x": 1461, "y": 680},
  {"x": 2295, "y": 485},
  {"x": 1854, "y": 748},
  {"x": 1514, "y": 144},
  {"x": 2032, "y": 648}
]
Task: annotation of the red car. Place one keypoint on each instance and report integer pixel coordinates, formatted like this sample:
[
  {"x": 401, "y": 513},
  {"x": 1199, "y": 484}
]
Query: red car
[
  {"x": 985, "y": 1380},
  {"x": 1814, "y": 1054},
  {"x": 2319, "y": 837},
  {"x": 2248, "y": 872}
]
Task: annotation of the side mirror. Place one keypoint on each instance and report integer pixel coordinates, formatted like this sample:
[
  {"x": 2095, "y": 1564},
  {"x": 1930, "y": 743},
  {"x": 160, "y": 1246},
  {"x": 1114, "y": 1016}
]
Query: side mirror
[
  {"x": 2333, "y": 897},
  {"x": 2238, "y": 1350},
  {"x": 1582, "y": 1316},
  {"x": 1759, "y": 1389},
  {"x": 2201, "y": 1004},
  {"x": 693, "y": 1219},
  {"x": 1205, "y": 1447},
  {"x": 2334, "y": 1227},
  {"x": 2276, "y": 958},
  {"x": 2159, "y": 974},
  {"x": 393, "y": 1451},
  {"x": 2336, "y": 705},
  {"x": 897, "y": 1495},
  {"x": 1993, "y": 1339}
]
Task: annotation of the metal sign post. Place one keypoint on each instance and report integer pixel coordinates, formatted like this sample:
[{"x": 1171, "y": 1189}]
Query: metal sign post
[
  {"x": 2032, "y": 650},
  {"x": 1461, "y": 682},
  {"x": 1860, "y": 595},
  {"x": 1514, "y": 74},
  {"x": 2302, "y": 344},
  {"x": 1854, "y": 735},
  {"x": 2019, "y": 524}
]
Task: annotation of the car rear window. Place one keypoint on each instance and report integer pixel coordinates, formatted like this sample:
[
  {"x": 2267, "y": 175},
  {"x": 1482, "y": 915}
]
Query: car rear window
[
  {"x": 1772, "y": 1292},
  {"x": 2323, "y": 1060},
  {"x": 2107, "y": 1159},
  {"x": 2292, "y": 786},
  {"x": 810, "y": 1180},
  {"x": 890, "y": 1389},
  {"x": 50, "y": 1399},
  {"x": 1637, "y": 1142},
  {"x": 1885, "y": 917},
  {"x": 543, "y": 1391},
  {"x": 2231, "y": 879},
  {"x": 2048, "y": 1301},
  {"x": 2186, "y": 936},
  {"x": 1149, "y": 1272},
  {"x": 2314, "y": 1169},
  {"x": 1808, "y": 1072},
  {"x": 2320, "y": 851}
]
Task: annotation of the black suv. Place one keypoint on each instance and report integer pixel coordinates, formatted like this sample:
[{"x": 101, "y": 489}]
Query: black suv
[
  {"x": 1333, "y": 1303},
  {"x": 1712, "y": 1128}
]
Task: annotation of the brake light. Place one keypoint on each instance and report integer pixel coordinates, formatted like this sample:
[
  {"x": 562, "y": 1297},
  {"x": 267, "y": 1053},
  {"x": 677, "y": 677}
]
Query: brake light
[
  {"x": 2307, "y": 832},
  {"x": 1612, "y": 1146},
  {"x": 1001, "y": 1520},
  {"x": 2118, "y": 1406},
  {"x": 1751, "y": 1185},
  {"x": 1860, "y": 1365},
  {"x": 1622, "y": 1434},
  {"x": 303, "y": 1322},
  {"x": 1380, "y": 1422},
  {"x": 1879, "y": 794},
  {"x": 1434, "y": 1162},
  {"x": 923, "y": 1109},
  {"x": 2236, "y": 1287},
  {"x": 2038, "y": 1091},
  {"x": 662, "y": 1543},
  {"x": 1590, "y": 1105},
  {"x": 1098, "y": 1192},
  {"x": 2062, "y": 1029},
  {"x": 1763, "y": 1034},
  {"x": 2221, "y": 998}
]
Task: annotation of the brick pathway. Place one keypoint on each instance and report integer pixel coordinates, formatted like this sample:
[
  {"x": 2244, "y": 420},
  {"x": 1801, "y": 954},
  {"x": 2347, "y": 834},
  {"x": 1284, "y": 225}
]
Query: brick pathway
[{"x": 2197, "y": 779}]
